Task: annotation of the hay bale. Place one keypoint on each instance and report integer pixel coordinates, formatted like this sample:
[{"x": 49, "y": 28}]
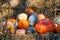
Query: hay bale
[
  {"x": 48, "y": 3},
  {"x": 57, "y": 3},
  {"x": 0, "y": 2},
  {"x": 35, "y": 3},
  {"x": 14, "y": 3},
  {"x": 24, "y": 37},
  {"x": 0, "y": 15},
  {"x": 6, "y": 10}
]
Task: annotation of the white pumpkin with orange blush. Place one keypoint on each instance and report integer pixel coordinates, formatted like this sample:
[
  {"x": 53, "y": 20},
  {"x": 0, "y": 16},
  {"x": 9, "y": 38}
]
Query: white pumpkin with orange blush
[
  {"x": 14, "y": 3},
  {"x": 41, "y": 16},
  {"x": 20, "y": 32}
]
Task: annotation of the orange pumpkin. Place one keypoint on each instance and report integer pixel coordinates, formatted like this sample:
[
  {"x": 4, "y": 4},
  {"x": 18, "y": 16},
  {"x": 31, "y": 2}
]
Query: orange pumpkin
[
  {"x": 23, "y": 24},
  {"x": 29, "y": 11},
  {"x": 20, "y": 32},
  {"x": 44, "y": 26},
  {"x": 58, "y": 29},
  {"x": 12, "y": 20},
  {"x": 41, "y": 16}
]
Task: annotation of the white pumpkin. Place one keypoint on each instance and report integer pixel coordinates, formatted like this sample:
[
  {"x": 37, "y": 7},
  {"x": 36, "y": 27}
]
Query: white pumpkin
[
  {"x": 22, "y": 16},
  {"x": 20, "y": 32},
  {"x": 57, "y": 20}
]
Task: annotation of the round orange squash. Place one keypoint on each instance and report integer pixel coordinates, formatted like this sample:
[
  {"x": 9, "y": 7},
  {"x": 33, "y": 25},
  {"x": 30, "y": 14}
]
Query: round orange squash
[
  {"x": 20, "y": 32},
  {"x": 41, "y": 16},
  {"x": 29, "y": 11},
  {"x": 58, "y": 29},
  {"x": 23, "y": 24}
]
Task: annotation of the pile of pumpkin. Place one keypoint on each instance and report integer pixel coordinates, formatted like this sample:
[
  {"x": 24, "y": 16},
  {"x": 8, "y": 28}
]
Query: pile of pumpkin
[{"x": 31, "y": 22}]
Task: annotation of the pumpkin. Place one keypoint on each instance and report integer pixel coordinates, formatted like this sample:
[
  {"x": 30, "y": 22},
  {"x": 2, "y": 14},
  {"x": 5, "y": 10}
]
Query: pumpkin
[
  {"x": 32, "y": 19},
  {"x": 58, "y": 29},
  {"x": 20, "y": 32},
  {"x": 30, "y": 29},
  {"x": 14, "y": 3},
  {"x": 41, "y": 16},
  {"x": 23, "y": 24},
  {"x": 11, "y": 25},
  {"x": 29, "y": 11},
  {"x": 22, "y": 16},
  {"x": 12, "y": 20},
  {"x": 44, "y": 26}
]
